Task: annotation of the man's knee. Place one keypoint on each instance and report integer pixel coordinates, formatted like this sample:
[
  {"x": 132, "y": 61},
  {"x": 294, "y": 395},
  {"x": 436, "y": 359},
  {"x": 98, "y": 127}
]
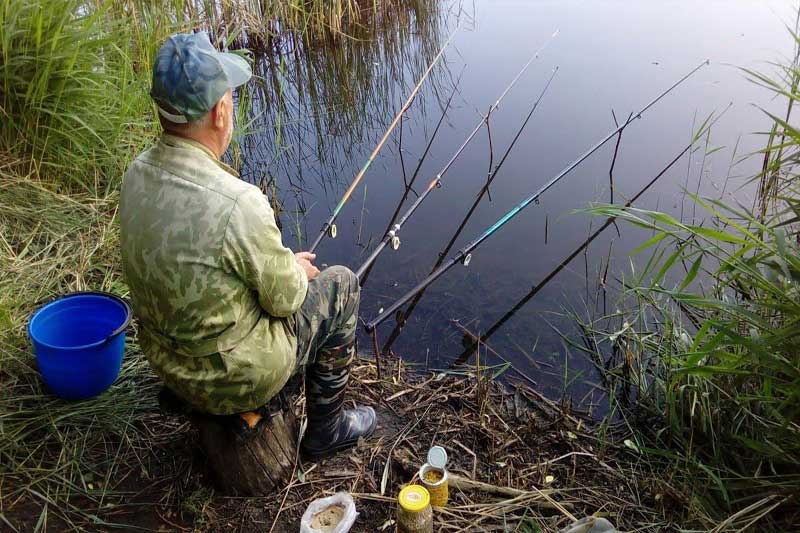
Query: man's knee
[
  {"x": 348, "y": 294},
  {"x": 333, "y": 304},
  {"x": 345, "y": 280}
]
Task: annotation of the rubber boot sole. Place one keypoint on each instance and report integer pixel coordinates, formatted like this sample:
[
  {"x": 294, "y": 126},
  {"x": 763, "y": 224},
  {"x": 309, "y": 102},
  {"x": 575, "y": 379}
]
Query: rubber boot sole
[{"x": 322, "y": 453}]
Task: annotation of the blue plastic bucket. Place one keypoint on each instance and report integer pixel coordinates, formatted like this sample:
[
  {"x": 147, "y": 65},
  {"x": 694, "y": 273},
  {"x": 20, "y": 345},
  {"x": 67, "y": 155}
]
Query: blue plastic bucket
[{"x": 78, "y": 340}]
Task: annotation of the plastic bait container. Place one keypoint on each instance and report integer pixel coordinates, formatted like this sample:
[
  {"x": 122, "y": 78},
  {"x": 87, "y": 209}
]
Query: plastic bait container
[
  {"x": 414, "y": 513},
  {"x": 433, "y": 476}
]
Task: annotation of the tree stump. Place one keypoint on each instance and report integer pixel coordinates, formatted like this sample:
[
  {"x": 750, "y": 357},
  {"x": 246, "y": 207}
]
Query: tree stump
[{"x": 253, "y": 462}]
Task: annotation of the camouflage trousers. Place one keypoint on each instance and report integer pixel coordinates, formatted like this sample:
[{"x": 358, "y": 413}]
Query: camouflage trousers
[{"x": 326, "y": 330}]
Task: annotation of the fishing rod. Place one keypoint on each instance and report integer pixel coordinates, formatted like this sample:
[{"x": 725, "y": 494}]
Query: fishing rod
[
  {"x": 391, "y": 236},
  {"x": 410, "y": 185},
  {"x": 443, "y": 254},
  {"x": 707, "y": 126},
  {"x": 464, "y": 256},
  {"x": 329, "y": 228},
  {"x": 462, "y": 358}
]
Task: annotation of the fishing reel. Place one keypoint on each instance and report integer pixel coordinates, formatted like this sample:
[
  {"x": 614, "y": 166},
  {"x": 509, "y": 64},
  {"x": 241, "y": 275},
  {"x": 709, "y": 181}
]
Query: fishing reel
[
  {"x": 395, "y": 240},
  {"x": 465, "y": 261},
  {"x": 332, "y": 231}
]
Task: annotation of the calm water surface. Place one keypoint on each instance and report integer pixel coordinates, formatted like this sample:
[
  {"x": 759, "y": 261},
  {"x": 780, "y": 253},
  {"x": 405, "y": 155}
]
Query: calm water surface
[{"x": 319, "y": 116}]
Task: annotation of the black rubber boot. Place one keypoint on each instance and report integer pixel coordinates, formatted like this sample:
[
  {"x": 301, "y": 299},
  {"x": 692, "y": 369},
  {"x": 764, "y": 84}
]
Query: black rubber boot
[{"x": 330, "y": 427}]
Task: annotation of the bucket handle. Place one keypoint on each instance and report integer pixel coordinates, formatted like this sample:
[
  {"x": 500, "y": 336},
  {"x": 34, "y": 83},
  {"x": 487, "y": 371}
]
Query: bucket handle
[{"x": 128, "y": 318}]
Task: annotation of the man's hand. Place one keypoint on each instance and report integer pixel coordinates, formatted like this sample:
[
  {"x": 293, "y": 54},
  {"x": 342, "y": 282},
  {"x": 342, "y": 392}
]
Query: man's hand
[{"x": 304, "y": 260}]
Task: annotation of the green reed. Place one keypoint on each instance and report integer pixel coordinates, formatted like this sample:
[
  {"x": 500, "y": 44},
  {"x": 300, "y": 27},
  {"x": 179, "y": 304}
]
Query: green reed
[
  {"x": 326, "y": 104},
  {"x": 707, "y": 343},
  {"x": 68, "y": 100}
]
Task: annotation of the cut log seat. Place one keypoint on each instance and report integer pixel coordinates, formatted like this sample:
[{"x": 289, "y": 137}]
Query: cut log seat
[{"x": 248, "y": 455}]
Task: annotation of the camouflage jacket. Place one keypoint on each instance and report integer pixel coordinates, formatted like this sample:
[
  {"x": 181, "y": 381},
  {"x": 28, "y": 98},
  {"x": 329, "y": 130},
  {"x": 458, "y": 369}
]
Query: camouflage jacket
[{"x": 211, "y": 284}]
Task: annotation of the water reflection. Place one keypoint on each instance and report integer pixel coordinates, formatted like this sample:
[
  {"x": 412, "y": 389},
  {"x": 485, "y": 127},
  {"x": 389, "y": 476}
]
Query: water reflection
[{"x": 316, "y": 104}]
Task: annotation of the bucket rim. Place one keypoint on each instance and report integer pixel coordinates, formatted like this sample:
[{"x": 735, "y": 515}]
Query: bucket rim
[{"x": 102, "y": 294}]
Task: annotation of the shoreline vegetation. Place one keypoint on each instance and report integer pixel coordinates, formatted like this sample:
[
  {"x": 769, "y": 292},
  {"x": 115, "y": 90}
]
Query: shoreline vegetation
[
  {"x": 703, "y": 373},
  {"x": 703, "y": 350}
]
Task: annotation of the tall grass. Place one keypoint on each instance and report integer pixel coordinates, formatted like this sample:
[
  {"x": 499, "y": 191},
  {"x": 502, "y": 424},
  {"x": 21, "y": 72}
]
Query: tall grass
[
  {"x": 69, "y": 94},
  {"x": 707, "y": 346},
  {"x": 255, "y": 24},
  {"x": 75, "y": 74},
  {"x": 62, "y": 463}
]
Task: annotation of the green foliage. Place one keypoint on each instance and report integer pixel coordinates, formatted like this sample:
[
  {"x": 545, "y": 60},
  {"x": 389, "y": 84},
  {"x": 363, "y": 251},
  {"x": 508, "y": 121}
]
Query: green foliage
[
  {"x": 51, "y": 450},
  {"x": 74, "y": 75},
  {"x": 68, "y": 88},
  {"x": 710, "y": 340},
  {"x": 743, "y": 362}
]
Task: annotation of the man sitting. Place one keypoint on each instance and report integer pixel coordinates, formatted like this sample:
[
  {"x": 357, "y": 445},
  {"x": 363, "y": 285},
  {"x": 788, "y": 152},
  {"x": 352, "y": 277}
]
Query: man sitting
[{"x": 226, "y": 312}]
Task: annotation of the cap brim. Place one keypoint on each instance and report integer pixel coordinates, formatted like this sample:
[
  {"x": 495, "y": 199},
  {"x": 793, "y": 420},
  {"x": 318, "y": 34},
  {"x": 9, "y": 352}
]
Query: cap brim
[{"x": 236, "y": 68}]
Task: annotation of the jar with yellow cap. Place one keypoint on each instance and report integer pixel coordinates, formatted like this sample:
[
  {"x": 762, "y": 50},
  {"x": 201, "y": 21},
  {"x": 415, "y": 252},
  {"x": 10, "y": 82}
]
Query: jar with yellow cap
[{"x": 414, "y": 513}]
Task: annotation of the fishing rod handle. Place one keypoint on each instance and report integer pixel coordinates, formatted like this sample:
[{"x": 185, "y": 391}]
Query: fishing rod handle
[{"x": 319, "y": 238}]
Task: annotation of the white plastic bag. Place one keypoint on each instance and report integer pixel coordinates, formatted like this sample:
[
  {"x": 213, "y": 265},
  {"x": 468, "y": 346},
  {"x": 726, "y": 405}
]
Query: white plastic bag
[
  {"x": 343, "y": 500},
  {"x": 590, "y": 524}
]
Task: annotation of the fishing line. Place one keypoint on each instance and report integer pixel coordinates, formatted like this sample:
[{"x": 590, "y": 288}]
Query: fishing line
[{"x": 464, "y": 255}]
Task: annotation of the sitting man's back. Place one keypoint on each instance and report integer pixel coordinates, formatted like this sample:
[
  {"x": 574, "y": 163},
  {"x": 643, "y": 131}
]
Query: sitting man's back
[
  {"x": 204, "y": 260},
  {"x": 227, "y": 313}
]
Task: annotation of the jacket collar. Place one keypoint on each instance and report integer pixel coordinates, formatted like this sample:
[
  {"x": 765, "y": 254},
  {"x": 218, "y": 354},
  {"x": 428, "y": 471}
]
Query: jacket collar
[{"x": 182, "y": 142}]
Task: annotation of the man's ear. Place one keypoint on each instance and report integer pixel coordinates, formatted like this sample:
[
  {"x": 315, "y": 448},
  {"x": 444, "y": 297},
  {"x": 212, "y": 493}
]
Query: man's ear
[{"x": 219, "y": 114}]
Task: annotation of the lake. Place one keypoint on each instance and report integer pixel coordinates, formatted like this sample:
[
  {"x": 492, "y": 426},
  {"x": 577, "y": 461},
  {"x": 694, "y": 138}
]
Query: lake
[{"x": 320, "y": 109}]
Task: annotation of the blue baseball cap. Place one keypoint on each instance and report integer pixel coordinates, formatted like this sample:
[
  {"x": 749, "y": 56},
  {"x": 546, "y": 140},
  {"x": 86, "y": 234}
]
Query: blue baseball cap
[{"x": 190, "y": 76}]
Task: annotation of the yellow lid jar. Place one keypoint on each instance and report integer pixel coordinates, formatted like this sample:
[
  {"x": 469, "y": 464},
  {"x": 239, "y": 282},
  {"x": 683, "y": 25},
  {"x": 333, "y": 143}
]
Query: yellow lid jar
[{"x": 414, "y": 513}]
